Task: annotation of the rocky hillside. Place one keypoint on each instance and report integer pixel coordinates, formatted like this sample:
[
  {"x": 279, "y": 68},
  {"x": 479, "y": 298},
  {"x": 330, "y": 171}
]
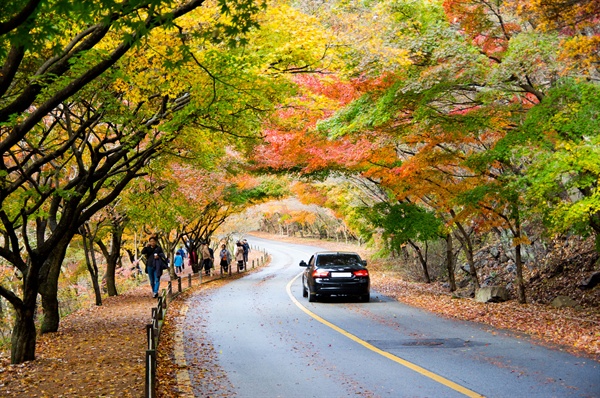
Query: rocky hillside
[
  {"x": 566, "y": 267},
  {"x": 572, "y": 270}
]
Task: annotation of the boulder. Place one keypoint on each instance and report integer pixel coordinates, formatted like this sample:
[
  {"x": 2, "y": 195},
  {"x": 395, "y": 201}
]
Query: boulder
[
  {"x": 591, "y": 282},
  {"x": 495, "y": 252},
  {"x": 463, "y": 283},
  {"x": 491, "y": 294},
  {"x": 563, "y": 301}
]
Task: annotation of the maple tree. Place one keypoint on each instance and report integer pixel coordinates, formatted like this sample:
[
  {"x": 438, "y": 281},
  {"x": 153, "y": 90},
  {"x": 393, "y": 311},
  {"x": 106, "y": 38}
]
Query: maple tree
[
  {"x": 561, "y": 182},
  {"x": 451, "y": 125},
  {"x": 70, "y": 143}
]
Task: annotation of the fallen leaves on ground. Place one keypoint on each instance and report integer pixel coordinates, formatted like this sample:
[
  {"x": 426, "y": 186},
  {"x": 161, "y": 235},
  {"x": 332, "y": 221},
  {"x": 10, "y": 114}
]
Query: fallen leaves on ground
[{"x": 98, "y": 352}]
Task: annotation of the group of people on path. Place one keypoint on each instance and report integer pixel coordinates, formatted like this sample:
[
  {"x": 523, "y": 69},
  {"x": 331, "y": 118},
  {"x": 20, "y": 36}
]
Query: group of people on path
[
  {"x": 242, "y": 249},
  {"x": 156, "y": 261}
]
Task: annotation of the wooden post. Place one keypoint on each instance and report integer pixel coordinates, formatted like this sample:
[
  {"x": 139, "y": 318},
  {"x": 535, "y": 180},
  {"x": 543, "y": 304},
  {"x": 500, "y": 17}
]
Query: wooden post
[
  {"x": 159, "y": 309},
  {"x": 150, "y": 390},
  {"x": 150, "y": 336}
]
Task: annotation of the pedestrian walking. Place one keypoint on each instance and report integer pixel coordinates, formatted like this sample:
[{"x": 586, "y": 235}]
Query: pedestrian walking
[
  {"x": 178, "y": 262},
  {"x": 207, "y": 258},
  {"x": 225, "y": 257},
  {"x": 239, "y": 255},
  {"x": 246, "y": 247},
  {"x": 183, "y": 254},
  {"x": 193, "y": 259},
  {"x": 155, "y": 263}
]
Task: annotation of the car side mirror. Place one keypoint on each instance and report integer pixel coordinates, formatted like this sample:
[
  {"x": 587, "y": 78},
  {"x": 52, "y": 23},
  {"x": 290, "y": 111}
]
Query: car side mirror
[
  {"x": 303, "y": 263},
  {"x": 364, "y": 263}
]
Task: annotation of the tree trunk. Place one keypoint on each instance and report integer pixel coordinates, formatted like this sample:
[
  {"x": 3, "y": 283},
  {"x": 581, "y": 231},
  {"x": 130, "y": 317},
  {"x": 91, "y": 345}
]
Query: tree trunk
[
  {"x": 111, "y": 284},
  {"x": 112, "y": 256},
  {"x": 96, "y": 285},
  {"x": 24, "y": 334},
  {"x": 90, "y": 260},
  {"x": 49, "y": 293},
  {"x": 521, "y": 297},
  {"x": 450, "y": 262},
  {"x": 422, "y": 260},
  {"x": 471, "y": 262},
  {"x": 51, "y": 310},
  {"x": 595, "y": 224},
  {"x": 169, "y": 244},
  {"x": 467, "y": 246},
  {"x": 48, "y": 286}
]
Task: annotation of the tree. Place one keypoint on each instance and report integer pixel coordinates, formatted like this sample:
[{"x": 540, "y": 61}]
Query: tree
[
  {"x": 112, "y": 252},
  {"x": 88, "y": 236},
  {"x": 405, "y": 223},
  {"x": 51, "y": 129},
  {"x": 561, "y": 136}
]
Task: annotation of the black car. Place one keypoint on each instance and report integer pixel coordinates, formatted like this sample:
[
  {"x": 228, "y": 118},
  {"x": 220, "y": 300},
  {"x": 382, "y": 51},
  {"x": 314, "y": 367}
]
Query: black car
[{"x": 335, "y": 273}]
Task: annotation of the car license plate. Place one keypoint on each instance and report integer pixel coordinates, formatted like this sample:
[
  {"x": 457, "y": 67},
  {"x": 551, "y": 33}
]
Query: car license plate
[{"x": 341, "y": 274}]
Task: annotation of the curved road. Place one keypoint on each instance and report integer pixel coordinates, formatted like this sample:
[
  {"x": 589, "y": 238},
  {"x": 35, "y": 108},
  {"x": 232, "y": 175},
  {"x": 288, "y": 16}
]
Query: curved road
[{"x": 268, "y": 341}]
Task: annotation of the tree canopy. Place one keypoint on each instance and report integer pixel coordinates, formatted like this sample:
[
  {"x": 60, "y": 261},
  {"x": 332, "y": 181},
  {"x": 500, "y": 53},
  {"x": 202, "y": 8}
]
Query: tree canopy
[{"x": 411, "y": 120}]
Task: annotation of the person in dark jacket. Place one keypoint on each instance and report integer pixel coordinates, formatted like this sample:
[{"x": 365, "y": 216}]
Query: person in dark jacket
[
  {"x": 225, "y": 257},
  {"x": 155, "y": 258},
  {"x": 246, "y": 247}
]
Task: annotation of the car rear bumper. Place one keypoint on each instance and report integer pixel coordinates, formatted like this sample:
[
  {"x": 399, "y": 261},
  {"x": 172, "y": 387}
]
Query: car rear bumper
[{"x": 333, "y": 288}]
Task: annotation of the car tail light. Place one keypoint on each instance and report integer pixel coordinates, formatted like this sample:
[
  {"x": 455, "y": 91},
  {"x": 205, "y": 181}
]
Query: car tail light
[
  {"x": 361, "y": 272},
  {"x": 320, "y": 273}
]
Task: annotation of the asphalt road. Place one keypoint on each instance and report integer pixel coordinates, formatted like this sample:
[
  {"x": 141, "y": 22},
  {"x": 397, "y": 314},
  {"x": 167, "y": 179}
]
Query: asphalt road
[{"x": 269, "y": 341}]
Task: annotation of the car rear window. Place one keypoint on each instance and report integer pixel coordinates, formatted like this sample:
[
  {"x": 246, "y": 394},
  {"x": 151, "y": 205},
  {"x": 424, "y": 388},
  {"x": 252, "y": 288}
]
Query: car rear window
[{"x": 338, "y": 259}]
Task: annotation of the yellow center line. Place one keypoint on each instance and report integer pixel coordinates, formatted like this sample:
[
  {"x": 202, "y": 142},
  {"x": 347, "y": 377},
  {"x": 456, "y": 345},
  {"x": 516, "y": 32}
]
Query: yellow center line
[{"x": 456, "y": 387}]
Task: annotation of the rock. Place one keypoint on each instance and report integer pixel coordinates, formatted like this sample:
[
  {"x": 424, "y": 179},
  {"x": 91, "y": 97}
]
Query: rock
[
  {"x": 494, "y": 252},
  {"x": 563, "y": 301},
  {"x": 491, "y": 294},
  {"x": 503, "y": 258},
  {"x": 463, "y": 283},
  {"x": 591, "y": 282}
]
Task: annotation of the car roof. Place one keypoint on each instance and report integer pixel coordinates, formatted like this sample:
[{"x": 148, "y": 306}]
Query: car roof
[{"x": 335, "y": 252}]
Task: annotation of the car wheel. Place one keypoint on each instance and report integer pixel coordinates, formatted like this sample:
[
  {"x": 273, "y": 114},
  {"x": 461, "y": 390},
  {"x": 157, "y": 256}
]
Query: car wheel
[
  {"x": 312, "y": 297},
  {"x": 304, "y": 291},
  {"x": 365, "y": 298}
]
